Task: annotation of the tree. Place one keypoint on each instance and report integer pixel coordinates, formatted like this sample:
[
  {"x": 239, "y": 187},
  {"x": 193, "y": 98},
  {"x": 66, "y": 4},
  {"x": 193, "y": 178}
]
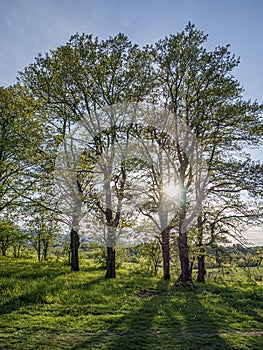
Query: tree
[
  {"x": 75, "y": 80},
  {"x": 20, "y": 137},
  {"x": 197, "y": 85},
  {"x": 157, "y": 172},
  {"x": 151, "y": 255},
  {"x": 232, "y": 187},
  {"x": 41, "y": 228},
  {"x": 222, "y": 220},
  {"x": 8, "y": 235},
  {"x": 19, "y": 242}
]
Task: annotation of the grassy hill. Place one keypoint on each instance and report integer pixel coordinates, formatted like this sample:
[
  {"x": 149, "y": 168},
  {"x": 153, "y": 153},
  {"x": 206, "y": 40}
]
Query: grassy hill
[{"x": 44, "y": 306}]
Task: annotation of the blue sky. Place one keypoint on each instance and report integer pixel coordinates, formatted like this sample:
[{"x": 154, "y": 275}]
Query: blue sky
[
  {"x": 28, "y": 27},
  {"x": 31, "y": 26}
]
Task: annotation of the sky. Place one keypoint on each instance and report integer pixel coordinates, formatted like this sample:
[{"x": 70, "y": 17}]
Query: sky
[{"x": 29, "y": 27}]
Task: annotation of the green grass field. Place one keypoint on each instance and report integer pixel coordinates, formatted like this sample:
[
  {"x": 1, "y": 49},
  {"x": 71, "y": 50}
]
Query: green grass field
[{"x": 44, "y": 306}]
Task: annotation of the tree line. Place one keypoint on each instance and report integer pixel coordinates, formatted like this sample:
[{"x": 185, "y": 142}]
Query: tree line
[{"x": 125, "y": 123}]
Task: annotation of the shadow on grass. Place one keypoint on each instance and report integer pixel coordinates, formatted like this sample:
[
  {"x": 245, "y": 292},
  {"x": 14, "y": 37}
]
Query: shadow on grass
[
  {"x": 45, "y": 282},
  {"x": 246, "y": 304},
  {"x": 165, "y": 320},
  {"x": 27, "y": 269}
]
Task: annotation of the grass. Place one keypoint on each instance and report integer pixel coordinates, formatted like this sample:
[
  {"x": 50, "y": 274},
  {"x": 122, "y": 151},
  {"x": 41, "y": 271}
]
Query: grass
[{"x": 44, "y": 306}]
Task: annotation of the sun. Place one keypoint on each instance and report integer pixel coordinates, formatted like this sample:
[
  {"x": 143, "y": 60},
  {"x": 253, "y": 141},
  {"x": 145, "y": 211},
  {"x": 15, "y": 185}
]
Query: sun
[{"x": 172, "y": 189}]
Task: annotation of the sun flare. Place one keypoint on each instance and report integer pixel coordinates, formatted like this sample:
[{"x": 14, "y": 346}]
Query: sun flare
[{"x": 172, "y": 189}]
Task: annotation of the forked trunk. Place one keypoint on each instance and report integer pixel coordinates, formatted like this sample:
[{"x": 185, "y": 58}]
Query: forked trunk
[
  {"x": 110, "y": 263},
  {"x": 186, "y": 275}
]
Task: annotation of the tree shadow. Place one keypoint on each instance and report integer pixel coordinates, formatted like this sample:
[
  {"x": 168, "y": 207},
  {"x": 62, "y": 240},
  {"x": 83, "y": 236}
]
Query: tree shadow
[
  {"x": 199, "y": 330},
  {"x": 173, "y": 319},
  {"x": 246, "y": 303},
  {"x": 29, "y": 270},
  {"x": 38, "y": 293}
]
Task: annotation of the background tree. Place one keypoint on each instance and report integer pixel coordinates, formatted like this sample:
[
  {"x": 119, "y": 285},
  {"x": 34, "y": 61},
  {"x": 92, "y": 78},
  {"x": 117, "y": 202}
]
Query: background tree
[
  {"x": 41, "y": 230},
  {"x": 150, "y": 254},
  {"x": 8, "y": 235},
  {"x": 20, "y": 137}
]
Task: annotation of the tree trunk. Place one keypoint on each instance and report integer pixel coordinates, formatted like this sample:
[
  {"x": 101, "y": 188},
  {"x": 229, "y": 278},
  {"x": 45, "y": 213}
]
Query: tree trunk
[
  {"x": 110, "y": 263},
  {"x": 201, "y": 268},
  {"x": 185, "y": 275},
  {"x": 166, "y": 253},
  {"x": 74, "y": 244},
  {"x": 201, "y": 256},
  {"x": 69, "y": 256},
  {"x": 45, "y": 250},
  {"x": 18, "y": 250},
  {"x": 39, "y": 249}
]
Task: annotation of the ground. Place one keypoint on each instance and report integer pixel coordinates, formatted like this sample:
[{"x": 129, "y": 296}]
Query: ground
[{"x": 45, "y": 306}]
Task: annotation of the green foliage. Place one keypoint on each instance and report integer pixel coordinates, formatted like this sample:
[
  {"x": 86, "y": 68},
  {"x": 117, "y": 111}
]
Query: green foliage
[
  {"x": 42, "y": 230},
  {"x": 10, "y": 235},
  {"x": 150, "y": 256},
  {"x": 21, "y": 138},
  {"x": 98, "y": 254}
]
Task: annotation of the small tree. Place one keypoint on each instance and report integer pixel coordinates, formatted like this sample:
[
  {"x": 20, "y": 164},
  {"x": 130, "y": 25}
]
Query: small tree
[
  {"x": 20, "y": 241},
  {"x": 8, "y": 235},
  {"x": 41, "y": 232},
  {"x": 151, "y": 255}
]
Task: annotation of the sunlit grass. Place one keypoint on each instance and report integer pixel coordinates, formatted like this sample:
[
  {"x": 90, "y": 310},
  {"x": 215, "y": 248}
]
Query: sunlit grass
[{"x": 44, "y": 306}]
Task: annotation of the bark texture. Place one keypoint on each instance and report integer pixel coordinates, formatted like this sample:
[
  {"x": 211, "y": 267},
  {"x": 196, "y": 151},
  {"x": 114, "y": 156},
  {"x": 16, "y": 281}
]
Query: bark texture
[
  {"x": 74, "y": 247},
  {"x": 111, "y": 263},
  {"x": 186, "y": 275},
  {"x": 201, "y": 269},
  {"x": 166, "y": 253}
]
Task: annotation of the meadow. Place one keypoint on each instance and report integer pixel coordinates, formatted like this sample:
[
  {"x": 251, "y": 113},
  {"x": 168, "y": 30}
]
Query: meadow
[{"x": 45, "y": 306}]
